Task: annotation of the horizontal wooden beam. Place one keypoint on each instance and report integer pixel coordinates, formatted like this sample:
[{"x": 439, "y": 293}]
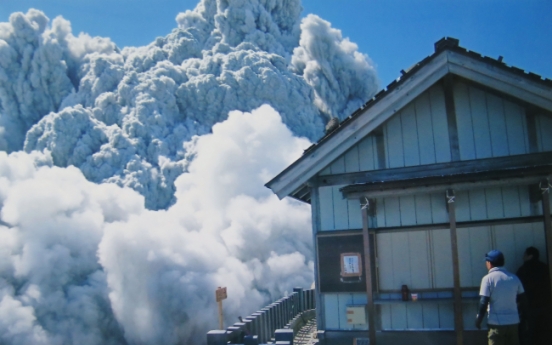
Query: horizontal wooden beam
[
  {"x": 440, "y": 169},
  {"x": 463, "y": 182}
]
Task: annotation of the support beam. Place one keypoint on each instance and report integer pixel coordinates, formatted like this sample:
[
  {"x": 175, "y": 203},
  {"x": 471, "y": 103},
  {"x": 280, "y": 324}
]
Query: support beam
[
  {"x": 496, "y": 167},
  {"x": 368, "y": 272},
  {"x": 458, "y": 318},
  {"x": 315, "y": 213},
  {"x": 448, "y": 84},
  {"x": 433, "y": 186},
  {"x": 545, "y": 189}
]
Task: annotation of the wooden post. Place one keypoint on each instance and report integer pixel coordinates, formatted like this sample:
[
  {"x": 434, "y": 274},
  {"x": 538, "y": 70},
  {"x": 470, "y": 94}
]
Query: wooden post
[
  {"x": 545, "y": 188},
  {"x": 458, "y": 318},
  {"x": 220, "y": 294},
  {"x": 221, "y": 324},
  {"x": 448, "y": 85},
  {"x": 368, "y": 272}
]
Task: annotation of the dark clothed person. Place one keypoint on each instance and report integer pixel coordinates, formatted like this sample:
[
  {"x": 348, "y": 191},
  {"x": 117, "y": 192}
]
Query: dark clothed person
[{"x": 535, "y": 328}]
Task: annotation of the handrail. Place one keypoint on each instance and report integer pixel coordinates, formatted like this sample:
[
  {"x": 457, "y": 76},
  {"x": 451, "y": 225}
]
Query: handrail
[{"x": 259, "y": 327}]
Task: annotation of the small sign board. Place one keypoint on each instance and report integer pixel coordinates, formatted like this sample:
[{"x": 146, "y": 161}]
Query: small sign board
[
  {"x": 351, "y": 265},
  {"x": 221, "y": 293},
  {"x": 356, "y": 315}
]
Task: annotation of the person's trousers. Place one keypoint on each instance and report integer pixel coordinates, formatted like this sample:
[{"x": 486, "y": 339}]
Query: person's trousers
[{"x": 503, "y": 335}]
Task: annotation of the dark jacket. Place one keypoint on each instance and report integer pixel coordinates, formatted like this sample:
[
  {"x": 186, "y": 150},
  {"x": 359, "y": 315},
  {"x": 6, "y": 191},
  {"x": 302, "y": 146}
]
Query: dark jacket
[{"x": 535, "y": 277}]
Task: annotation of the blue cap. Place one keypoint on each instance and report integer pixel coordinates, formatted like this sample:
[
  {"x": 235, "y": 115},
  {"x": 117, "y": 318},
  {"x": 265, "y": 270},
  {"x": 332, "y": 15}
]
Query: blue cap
[{"x": 494, "y": 256}]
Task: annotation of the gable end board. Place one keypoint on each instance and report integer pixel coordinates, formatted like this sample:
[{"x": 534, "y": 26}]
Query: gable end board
[{"x": 365, "y": 120}]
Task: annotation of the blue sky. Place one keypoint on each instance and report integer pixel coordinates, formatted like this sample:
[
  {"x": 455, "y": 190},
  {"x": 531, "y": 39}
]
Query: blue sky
[{"x": 395, "y": 34}]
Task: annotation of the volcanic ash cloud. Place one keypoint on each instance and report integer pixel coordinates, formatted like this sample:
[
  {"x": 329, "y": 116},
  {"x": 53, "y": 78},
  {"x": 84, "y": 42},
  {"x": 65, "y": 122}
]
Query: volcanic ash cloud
[
  {"x": 87, "y": 263},
  {"x": 121, "y": 116}
]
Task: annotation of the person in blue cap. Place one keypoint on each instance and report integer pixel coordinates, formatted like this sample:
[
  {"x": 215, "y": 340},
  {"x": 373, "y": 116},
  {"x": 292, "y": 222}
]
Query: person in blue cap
[{"x": 499, "y": 292}]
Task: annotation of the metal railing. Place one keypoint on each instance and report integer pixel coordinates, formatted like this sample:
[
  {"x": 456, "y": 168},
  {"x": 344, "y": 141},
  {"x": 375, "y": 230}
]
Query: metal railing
[{"x": 261, "y": 326}]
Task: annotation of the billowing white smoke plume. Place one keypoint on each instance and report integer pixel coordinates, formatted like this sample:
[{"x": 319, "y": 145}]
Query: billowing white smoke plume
[
  {"x": 89, "y": 262},
  {"x": 38, "y": 70},
  {"x": 83, "y": 263},
  {"x": 341, "y": 77}
]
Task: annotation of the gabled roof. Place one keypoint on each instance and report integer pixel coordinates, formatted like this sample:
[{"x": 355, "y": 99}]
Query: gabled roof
[{"x": 448, "y": 58}]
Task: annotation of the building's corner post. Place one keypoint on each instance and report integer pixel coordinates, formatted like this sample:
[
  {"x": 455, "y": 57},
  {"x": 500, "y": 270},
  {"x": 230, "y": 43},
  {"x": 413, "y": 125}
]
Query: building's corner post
[
  {"x": 545, "y": 190},
  {"x": 365, "y": 206},
  {"x": 316, "y": 226},
  {"x": 458, "y": 318}
]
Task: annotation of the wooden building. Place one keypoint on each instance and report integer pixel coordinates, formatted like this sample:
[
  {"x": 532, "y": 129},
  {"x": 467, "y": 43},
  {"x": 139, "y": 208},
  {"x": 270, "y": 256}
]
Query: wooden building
[{"x": 448, "y": 162}]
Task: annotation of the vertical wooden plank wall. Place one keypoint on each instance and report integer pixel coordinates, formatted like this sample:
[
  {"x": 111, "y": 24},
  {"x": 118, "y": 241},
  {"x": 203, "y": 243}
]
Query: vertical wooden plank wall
[
  {"x": 493, "y": 203},
  {"x": 415, "y": 135},
  {"x": 442, "y": 260},
  {"x": 409, "y": 210},
  {"x": 418, "y": 133},
  {"x": 516, "y": 128},
  {"x": 473, "y": 205},
  {"x": 464, "y": 123},
  {"x": 544, "y": 132},
  {"x": 331, "y": 305},
  {"x": 497, "y": 126},
  {"x": 478, "y": 112},
  {"x": 511, "y": 239},
  {"x": 417, "y": 316},
  {"x": 336, "y": 310},
  {"x": 419, "y": 259},
  {"x": 361, "y": 157}
]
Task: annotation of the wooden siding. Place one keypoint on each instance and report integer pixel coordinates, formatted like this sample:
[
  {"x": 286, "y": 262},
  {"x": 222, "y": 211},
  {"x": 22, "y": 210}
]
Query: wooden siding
[
  {"x": 420, "y": 259},
  {"x": 417, "y": 316},
  {"x": 410, "y": 210},
  {"x": 418, "y": 133},
  {"x": 493, "y": 203},
  {"x": 544, "y": 132},
  {"x": 422, "y": 315},
  {"x": 511, "y": 239},
  {"x": 361, "y": 157},
  {"x": 337, "y": 213},
  {"x": 415, "y": 135},
  {"x": 488, "y": 125},
  {"x": 336, "y": 310}
]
